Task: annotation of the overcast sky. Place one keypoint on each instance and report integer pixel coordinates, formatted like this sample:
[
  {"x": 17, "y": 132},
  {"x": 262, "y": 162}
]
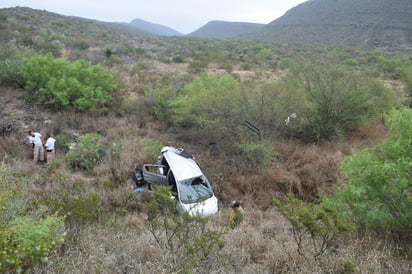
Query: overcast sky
[{"x": 184, "y": 16}]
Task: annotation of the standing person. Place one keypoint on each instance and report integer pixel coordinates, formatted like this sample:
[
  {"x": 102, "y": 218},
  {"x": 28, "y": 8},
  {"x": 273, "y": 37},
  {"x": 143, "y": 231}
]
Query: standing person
[
  {"x": 49, "y": 145},
  {"x": 237, "y": 215},
  {"x": 37, "y": 145}
]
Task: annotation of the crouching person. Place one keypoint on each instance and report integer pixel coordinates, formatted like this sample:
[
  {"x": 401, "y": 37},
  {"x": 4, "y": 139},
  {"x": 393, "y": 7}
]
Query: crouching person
[{"x": 237, "y": 215}]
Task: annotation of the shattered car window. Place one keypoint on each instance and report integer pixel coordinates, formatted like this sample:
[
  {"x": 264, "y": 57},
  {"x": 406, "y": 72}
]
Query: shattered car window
[{"x": 194, "y": 190}]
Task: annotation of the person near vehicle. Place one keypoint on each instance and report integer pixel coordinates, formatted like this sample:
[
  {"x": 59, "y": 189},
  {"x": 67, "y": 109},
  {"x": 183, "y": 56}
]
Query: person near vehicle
[
  {"x": 36, "y": 145},
  {"x": 237, "y": 215},
  {"x": 49, "y": 145}
]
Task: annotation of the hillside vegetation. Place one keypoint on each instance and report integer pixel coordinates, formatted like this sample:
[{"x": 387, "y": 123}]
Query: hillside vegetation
[
  {"x": 324, "y": 177},
  {"x": 364, "y": 24},
  {"x": 221, "y": 29}
]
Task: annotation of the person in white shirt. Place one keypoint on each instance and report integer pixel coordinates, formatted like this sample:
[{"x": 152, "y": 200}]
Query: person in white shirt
[
  {"x": 49, "y": 147},
  {"x": 37, "y": 145}
]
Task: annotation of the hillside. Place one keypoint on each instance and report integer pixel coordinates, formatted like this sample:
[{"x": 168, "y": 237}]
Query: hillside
[
  {"x": 223, "y": 29},
  {"x": 156, "y": 29},
  {"x": 270, "y": 123},
  {"x": 368, "y": 24}
]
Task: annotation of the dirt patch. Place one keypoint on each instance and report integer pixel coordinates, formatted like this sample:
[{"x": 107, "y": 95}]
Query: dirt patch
[{"x": 22, "y": 116}]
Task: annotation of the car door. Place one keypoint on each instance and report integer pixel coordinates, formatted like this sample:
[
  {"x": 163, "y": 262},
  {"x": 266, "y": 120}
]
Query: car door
[{"x": 153, "y": 176}]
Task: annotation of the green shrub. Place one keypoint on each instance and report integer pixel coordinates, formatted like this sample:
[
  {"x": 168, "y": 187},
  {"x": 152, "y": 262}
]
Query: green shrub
[
  {"x": 151, "y": 146},
  {"x": 351, "y": 62},
  {"x": 376, "y": 193},
  {"x": 62, "y": 142},
  {"x": 349, "y": 266},
  {"x": 11, "y": 74},
  {"x": 24, "y": 243},
  {"x": 25, "y": 240},
  {"x": 393, "y": 67},
  {"x": 58, "y": 84},
  {"x": 406, "y": 78},
  {"x": 156, "y": 103},
  {"x": 270, "y": 104},
  {"x": 286, "y": 63},
  {"x": 313, "y": 225},
  {"x": 257, "y": 155},
  {"x": 210, "y": 105},
  {"x": 87, "y": 153},
  {"x": 266, "y": 54},
  {"x": 198, "y": 66},
  {"x": 178, "y": 59},
  {"x": 78, "y": 207},
  {"x": 245, "y": 65}
]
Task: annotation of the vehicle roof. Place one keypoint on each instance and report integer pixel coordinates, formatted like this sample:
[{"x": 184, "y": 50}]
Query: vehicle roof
[{"x": 182, "y": 167}]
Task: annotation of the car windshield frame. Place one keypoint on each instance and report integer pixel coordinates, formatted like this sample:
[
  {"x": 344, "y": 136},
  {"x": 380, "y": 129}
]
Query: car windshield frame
[{"x": 194, "y": 190}]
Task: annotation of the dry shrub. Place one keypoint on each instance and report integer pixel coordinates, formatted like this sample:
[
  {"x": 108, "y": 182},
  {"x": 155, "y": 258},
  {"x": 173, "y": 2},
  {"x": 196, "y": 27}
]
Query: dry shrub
[
  {"x": 316, "y": 167},
  {"x": 368, "y": 135},
  {"x": 259, "y": 190},
  {"x": 124, "y": 198},
  {"x": 8, "y": 151},
  {"x": 118, "y": 247},
  {"x": 231, "y": 180}
]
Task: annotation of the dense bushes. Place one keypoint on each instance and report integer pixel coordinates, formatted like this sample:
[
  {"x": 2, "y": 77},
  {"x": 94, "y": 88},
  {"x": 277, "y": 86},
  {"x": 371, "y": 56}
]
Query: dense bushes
[
  {"x": 318, "y": 101},
  {"x": 378, "y": 185},
  {"x": 58, "y": 84}
]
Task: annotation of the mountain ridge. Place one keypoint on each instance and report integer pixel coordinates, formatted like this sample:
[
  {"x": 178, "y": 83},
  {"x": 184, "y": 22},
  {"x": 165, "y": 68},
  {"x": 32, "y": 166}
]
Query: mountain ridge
[
  {"x": 153, "y": 28},
  {"x": 224, "y": 29},
  {"x": 370, "y": 24},
  {"x": 366, "y": 24}
]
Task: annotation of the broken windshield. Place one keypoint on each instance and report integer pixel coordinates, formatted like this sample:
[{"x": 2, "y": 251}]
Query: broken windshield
[{"x": 194, "y": 190}]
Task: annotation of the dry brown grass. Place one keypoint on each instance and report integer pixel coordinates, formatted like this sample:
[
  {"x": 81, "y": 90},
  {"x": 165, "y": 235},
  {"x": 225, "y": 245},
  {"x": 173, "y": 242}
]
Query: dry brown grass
[
  {"x": 315, "y": 168},
  {"x": 368, "y": 135},
  {"x": 264, "y": 245}
]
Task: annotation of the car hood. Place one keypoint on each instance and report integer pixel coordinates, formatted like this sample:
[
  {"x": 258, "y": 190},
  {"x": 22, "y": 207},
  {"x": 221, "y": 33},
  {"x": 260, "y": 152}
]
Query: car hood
[{"x": 205, "y": 208}]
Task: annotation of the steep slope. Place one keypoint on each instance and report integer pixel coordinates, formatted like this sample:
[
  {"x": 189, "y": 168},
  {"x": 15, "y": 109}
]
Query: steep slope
[
  {"x": 371, "y": 24},
  {"x": 222, "y": 29}
]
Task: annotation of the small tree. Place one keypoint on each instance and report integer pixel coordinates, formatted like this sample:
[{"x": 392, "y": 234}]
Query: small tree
[
  {"x": 188, "y": 239},
  {"x": 339, "y": 98},
  {"x": 210, "y": 106}
]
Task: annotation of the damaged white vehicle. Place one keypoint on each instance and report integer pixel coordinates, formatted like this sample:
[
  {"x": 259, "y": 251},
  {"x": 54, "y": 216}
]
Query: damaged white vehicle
[{"x": 190, "y": 187}]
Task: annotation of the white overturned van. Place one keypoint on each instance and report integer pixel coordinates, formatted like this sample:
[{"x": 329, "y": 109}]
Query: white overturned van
[{"x": 179, "y": 170}]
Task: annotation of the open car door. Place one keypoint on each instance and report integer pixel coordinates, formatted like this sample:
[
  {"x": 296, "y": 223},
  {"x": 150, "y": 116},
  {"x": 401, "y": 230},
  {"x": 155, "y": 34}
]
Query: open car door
[{"x": 153, "y": 175}]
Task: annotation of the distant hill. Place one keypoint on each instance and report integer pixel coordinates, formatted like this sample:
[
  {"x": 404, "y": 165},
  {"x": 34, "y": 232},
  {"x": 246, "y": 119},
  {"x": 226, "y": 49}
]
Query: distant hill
[
  {"x": 368, "y": 24},
  {"x": 156, "y": 29},
  {"x": 223, "y": 29},
  {"x": 373, "y": 24}
]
